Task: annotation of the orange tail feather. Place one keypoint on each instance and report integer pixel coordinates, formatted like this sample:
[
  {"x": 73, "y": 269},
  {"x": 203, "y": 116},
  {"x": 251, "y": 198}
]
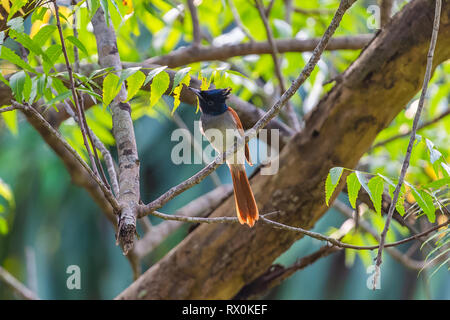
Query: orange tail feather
[{"x": 247, "y": 211}]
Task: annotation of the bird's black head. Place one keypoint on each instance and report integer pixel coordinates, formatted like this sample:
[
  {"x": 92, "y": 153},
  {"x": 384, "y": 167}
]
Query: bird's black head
[{"x": 212, "y": 101}]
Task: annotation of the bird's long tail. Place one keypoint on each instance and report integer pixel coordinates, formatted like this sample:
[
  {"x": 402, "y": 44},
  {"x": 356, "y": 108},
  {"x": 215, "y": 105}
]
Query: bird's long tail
[{"x": 247, "y": 211}]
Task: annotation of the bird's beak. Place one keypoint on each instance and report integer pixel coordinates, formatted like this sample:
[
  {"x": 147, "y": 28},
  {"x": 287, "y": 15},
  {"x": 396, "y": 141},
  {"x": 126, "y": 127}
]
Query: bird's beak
[
  {"x": 197, "y": 92},
  {"x": 194, "y": 90}
]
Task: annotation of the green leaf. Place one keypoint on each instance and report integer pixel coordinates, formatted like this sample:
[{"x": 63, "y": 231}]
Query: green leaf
[
  {"x": 332, "y": 181},
  {"x": 10, "y": 56},
  {"x": 60, "y": 97},
  {"x": 27, "y": 88},
  {"x": 353, "y": 187},
  {"x": 376, "y": 187},
  {"x": 27, "y": 42},
  {"x": 425, "y": 202},
  {"x": 53, "y": 53},
  {"x": 17, "y": 82},
  {"x": 159, "y": 85},
  {"x": 362, "y": 180},
  {"x": 177, "y": 92},
  {"x": 104, "y": 4},
  {"x": 110, "y": 88},
  {"x": 438, "y": 183},
  {"x": 17, "y": 4},
  {"x": 179, "y": 76},
  {"x": 434, "y": 153},
  {"x": 44, "y": 34},
  {"x": 16, "y": 24},
  {"x": 125, "y": 73},
  {"x": 78, "y": 44},
  {"x": 153, "y": 73},
  {"x": 236, "y": 73},
  {"x": 134, "y": 82},
  {"x": 93, "y": 5},
  {"x": 91, "y": 93},
  {"x": 38, "y": 14},
  {"x": 2, "y": 78}
]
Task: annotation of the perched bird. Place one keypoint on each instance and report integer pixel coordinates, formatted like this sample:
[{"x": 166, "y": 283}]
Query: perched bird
[{"x": 217, "y": 115}]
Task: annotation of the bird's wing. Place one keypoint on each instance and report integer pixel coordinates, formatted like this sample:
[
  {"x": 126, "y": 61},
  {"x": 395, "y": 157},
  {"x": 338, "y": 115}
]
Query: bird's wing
[{"x": 241, "y": 130}]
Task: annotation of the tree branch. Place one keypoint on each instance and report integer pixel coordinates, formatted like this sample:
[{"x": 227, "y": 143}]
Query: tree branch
[
  {"x": 123, "y": 132},
  {"x": 385, "y": 11},
  {"x": 189, "y": 55}
]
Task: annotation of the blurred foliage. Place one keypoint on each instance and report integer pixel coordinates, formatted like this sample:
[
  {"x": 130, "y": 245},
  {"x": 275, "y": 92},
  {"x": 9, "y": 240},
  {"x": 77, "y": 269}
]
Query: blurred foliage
[{"x": 58, "y": 221}]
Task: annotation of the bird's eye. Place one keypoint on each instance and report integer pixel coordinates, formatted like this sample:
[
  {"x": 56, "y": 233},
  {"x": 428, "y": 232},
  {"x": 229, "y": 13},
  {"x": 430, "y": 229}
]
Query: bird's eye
[{"x": 210, "y": 103}]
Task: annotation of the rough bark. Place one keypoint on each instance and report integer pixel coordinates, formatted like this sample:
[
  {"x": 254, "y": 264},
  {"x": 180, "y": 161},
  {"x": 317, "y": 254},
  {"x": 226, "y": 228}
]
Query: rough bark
[
  {"x": 216, "y": 261},
  {"x": 195, "y": 54},
  {"x": 123, "y": 131}
]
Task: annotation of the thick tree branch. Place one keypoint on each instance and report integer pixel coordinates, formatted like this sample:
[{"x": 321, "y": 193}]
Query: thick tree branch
[
  {"x": 123, "y": 131},
  {"x": 337, "y": 133},
  {"x": 189, "y": 55}
]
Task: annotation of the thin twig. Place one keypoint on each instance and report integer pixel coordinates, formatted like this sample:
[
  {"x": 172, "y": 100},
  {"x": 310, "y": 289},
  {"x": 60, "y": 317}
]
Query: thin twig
[
  {"x": 74, "y": 93},
  {"x": 291, "y": 115},
  {"x": 406, "y": 134},
  {"x": 385, "y": 11},
  {"x": 405, "y": 164},
  {"x": 11, "y": 108},
  {"x": 100, "y": 146},
  {"x": 17, "y": 286},
  {"x": 269, "y": 8},
  {"x": 75, "y": 34},
  {"x": 197, "y": 36},
  {"x": 278, "y": 225}
]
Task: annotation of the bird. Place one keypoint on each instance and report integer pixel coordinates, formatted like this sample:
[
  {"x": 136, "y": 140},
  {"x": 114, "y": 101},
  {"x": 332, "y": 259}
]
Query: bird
[{"x": 215, "y": 114}]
